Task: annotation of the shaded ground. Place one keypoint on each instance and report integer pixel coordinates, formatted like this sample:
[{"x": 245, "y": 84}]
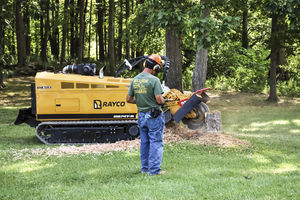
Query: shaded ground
[{"x": 17, "y": 92}]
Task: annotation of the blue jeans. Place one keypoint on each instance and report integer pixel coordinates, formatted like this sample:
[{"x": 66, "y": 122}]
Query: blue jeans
[{"x": 151, "y": 132}]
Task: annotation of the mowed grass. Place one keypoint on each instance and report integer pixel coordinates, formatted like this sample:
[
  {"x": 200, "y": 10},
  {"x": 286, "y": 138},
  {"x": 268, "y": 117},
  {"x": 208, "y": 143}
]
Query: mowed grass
[{"x": 268, "y": 169}]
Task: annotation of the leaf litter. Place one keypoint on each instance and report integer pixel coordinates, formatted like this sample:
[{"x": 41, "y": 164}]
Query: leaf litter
[{"x": 174, "y": 133}]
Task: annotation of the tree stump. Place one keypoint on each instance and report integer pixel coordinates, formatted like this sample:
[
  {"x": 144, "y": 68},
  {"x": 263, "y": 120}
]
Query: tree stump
[{"x": 213, "y": 121}]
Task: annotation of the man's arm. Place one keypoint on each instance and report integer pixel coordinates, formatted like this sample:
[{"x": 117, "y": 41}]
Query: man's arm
[
  {"x": 130, "y": 99},
  {"x": 159, "y": 99}
]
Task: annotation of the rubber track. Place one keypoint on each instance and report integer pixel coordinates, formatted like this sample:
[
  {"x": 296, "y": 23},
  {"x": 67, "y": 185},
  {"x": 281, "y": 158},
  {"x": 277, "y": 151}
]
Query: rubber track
[{"x": 79, "y": 123}]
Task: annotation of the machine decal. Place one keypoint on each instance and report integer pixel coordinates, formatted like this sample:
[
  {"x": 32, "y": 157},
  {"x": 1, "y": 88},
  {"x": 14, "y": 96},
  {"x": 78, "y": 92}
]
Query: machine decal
[
  {"x": 98, "y": 104},
  {"x": 124, "y": 116},
  {"x": 44, "y": 87},
  {"x": 87, "y": 116}
]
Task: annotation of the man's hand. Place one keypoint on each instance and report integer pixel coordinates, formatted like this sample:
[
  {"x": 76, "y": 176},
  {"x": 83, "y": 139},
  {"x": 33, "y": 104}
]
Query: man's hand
[
  {"x": 159, "y": 99},
  {"x": 130, "y": 99}
]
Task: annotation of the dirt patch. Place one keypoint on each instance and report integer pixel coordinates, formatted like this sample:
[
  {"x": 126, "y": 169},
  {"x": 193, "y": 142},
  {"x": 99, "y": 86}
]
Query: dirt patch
[{"x": 173, "y": 133}]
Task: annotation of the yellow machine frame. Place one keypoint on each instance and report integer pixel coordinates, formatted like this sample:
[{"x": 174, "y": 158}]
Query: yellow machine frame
[{"x": 77, "y": 97}]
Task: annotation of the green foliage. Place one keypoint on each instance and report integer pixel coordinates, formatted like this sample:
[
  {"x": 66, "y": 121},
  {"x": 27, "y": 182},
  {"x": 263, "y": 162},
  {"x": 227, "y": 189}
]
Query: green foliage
[
  {"x": 291, "y": 87},
  {"x": 187, "y": 78},
  {"x": 240, "y": 69},
  {"x": 209, "y": 31}
]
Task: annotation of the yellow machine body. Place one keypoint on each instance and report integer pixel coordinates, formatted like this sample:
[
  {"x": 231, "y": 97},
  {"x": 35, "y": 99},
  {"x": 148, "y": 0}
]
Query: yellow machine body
[{"x": 62, "y": 97}]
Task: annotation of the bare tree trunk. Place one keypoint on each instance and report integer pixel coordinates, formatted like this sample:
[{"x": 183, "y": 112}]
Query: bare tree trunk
[
  {"x": 27, "y": 30},
  {"x": 54, "y": 36},
  {"x": 72, "y": 29},
  {"x": 200, "y": 70},
  {"x": 111, "y": 38},
  {"x": 245, "y": 42},
  {"x": 44, "y": 28},
  {"x": 127, "y": 12},
  {"x": 65, "y": 31},
  {"x": 119, "y": 54},
  {"x": 199, "y": 76},
  {"x": 132, "y": 49},
  {"x": 21, "y": 45},
  {"x": 100, "y": 27},
  {"x": 275, "y": 49},
  {"x": 139, "y": 49},
  {"x": 1, "y": 46},
  {"x": 173, "y": 51},
  {"x": 81, "y": 33},
  {"x": 90, "y": 29}
]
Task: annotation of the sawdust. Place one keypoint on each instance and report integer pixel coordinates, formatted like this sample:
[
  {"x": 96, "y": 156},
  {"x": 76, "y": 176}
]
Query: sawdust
[
  {"x": 174, "y": 133},
  {"x": 178, "y": 132}
]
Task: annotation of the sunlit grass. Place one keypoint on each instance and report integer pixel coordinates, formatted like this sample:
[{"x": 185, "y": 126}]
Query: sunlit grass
[{"x": 268, "y": 169}]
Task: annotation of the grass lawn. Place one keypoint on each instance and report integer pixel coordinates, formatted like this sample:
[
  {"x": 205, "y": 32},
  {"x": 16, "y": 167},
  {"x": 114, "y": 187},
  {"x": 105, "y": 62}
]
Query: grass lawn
[{"x": 268, "y": 169}]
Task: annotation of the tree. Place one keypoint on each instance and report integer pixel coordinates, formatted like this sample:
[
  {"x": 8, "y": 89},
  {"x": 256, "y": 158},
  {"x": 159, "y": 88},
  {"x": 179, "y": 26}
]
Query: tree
[
  {"x": 44, "y": 28},
  {"x": 54, "y": 34},
  {"x": 20, "y": 34},
  {"x": 1, "y": 46},
  {"x": 120, "y": 31},
  {"x": 173, "y": 52},
  {"x": 245, "y": 42},
  {"x": 127, "y": 11},
  {"x": 64, "y": 31},
  {"x": 26, "y": 19},
  {"x": 169, "y": 16},
  {"x": 285, "y": 17},
  {"x": 90, "y": 29},
  {"x": 73, "y": 29},
  {"x": 80, "y": 47},
  {"x": 200, "y": 70},
  {"x": 111, "y": 37},
  {"x": 100, "y": 27}
]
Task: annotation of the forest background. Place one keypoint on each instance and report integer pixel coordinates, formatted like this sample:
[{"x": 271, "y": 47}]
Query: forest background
[{"x": 241, "y": 45}]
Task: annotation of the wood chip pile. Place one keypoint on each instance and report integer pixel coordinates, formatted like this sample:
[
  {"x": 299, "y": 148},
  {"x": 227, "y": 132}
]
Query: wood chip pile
[{"x": 174, "y": 133}]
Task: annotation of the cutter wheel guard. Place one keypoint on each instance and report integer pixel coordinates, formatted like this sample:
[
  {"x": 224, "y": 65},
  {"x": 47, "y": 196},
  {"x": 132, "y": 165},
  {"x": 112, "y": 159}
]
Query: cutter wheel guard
[{"x": 76, "y": 106}]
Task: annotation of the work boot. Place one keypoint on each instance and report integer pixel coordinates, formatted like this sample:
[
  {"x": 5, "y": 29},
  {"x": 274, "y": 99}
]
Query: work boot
[{"x": 159, "y": 173}]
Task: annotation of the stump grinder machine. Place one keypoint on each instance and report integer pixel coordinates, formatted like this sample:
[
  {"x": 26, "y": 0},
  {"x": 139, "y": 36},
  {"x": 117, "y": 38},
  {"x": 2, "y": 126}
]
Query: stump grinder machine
[{"x": 77, "y": 106}]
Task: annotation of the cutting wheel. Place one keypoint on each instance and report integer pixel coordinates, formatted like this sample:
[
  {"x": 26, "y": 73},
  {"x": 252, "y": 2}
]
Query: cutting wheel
[{"x": 197, "y": 122}]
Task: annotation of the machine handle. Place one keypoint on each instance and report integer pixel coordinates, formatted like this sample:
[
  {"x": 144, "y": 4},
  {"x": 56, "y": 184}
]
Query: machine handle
[{"x": 201, "y": 90}]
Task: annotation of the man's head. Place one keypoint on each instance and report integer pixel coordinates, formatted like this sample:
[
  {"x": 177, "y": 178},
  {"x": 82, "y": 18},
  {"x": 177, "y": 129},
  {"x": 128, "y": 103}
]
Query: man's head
[{"x": 153, "y": 62}]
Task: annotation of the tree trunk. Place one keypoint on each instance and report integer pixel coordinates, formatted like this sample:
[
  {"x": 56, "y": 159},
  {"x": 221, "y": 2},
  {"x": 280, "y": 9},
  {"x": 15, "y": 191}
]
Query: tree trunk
[
  {"x": 111, "y": 38},
  {"x": 64, "y": 32},
  {"x": 90, "y": 30},
  {"x": 81, "y": 33},
  {"x": 127, "y": 12},
  {"x": 120, "y": 34},
  {"x": 275, "y": 49},
  {"x": 72, "y": 29},
  {"x": 200, "y": 70},
  {"x": 54, "y": 36},
  {"x": 245, "y": 42},
  {"x": 27, "y": 31},
  {"x": 173, "y": 52},
  {"x": 44, "y": 28},
  {"x": 21, "y": 45},
  {"x": 1, "y": 46},
  {"x": 139, "y": 48},
  {"x": 101, "y": 5}
]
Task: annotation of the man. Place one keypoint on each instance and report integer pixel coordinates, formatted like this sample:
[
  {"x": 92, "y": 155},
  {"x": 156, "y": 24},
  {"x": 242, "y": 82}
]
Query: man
[{"x": 145, "y": 90}]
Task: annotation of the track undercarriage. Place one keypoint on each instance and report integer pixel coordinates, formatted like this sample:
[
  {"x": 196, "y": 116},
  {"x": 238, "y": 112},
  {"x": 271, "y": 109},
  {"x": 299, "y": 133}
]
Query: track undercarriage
[{"x": 80, "y": 132}]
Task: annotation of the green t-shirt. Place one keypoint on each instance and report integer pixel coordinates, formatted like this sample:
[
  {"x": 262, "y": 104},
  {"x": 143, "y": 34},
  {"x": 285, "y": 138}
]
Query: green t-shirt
[{"x": 145, "y": 87}]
